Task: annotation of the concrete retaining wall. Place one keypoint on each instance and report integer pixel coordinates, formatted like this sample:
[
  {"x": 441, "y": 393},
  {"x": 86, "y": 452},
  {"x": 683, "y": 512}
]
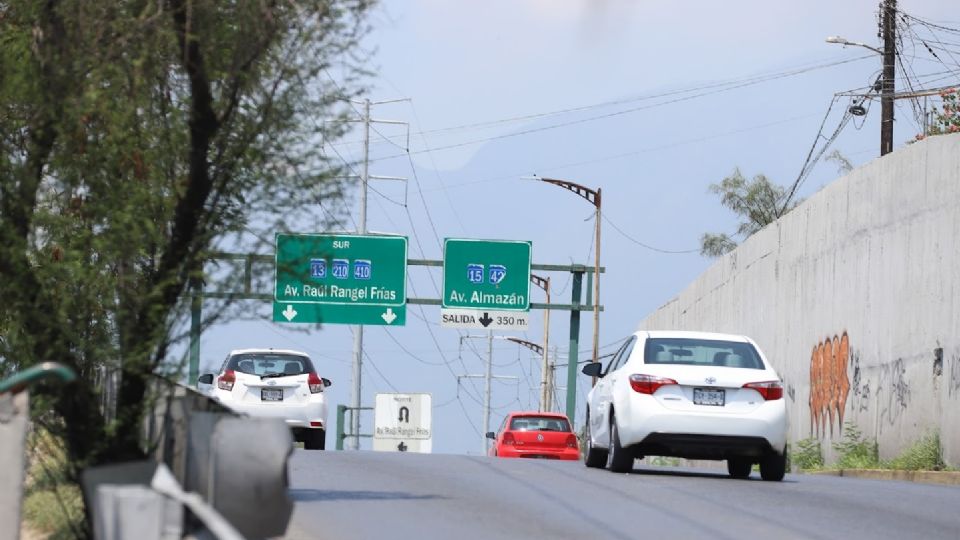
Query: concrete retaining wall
[{"x": 855, "y": 297}]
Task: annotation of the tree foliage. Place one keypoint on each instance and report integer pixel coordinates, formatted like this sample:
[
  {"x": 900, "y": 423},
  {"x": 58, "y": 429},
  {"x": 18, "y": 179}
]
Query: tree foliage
[
  {"x": 756, "y": 202},
  {"x": 947, "y": 118},
  {"x": 135, "y": 135}
]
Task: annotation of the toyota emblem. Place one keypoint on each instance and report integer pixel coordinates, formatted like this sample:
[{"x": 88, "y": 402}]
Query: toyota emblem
[
  {"x": 540, "y": 437},
  {"x": 272, "y": 383},
  {"x": 710, "y": 380}
]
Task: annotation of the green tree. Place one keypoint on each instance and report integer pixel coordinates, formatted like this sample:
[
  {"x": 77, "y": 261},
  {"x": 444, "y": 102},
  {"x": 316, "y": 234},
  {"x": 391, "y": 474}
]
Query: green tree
[
  {"x": 757, "y": 203},
  {"x": 136, "y": 136}
]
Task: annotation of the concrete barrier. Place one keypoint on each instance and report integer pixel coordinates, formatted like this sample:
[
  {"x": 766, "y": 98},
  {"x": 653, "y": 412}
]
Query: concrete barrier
[
  {"x": 238, "y": 464},
  {"x": 14, "y": 417},
  {"x": 855, "y": 297}
]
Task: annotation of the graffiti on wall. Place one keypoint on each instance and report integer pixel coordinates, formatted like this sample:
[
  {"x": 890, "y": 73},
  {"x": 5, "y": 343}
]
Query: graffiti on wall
[
  {"x": 859, "y": 386},
  {"x": 954, "y": 388},
  {"x": 893, "y": 391},
  {"x": 829, "y": 385}
]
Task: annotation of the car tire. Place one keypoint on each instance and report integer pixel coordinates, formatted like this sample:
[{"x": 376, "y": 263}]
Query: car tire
[
  {"x": 739, "y": 467},
  {"x": 593, "y": 457},
  {"x": 315, "y": 439},
  {"x": 618, "y": 459},
  {"x": 773, "y": 466}
]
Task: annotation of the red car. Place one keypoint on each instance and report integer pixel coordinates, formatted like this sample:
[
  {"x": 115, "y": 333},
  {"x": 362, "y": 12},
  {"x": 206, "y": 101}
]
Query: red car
[{"x": 535, "y": 435}]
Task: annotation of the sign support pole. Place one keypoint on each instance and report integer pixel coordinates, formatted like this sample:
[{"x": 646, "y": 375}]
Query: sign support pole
[
  {"x": 486, "y": 395},
  {"x": 574, "y": 344}
]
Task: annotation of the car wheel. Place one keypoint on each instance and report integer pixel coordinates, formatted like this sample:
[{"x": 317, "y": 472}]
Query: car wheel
[
  {"x": 618, "y": 459},
  {"x": 773, "y": 466},
  {"x": 594, "y": 458},
  {"x": 739, "y": 467},
  {"x": 315, "y": 439}
]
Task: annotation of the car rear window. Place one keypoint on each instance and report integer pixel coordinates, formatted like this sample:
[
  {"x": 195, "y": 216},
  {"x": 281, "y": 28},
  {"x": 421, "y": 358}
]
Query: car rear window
[
  {"x": 539, "y": 423},
  {"x": 701, "y": 352},
  {"x": 267, "y": 363}
]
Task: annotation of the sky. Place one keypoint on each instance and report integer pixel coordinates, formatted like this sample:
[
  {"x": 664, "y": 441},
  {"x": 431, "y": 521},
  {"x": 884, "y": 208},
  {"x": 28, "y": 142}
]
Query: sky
[{"x": 650, "y": 101}]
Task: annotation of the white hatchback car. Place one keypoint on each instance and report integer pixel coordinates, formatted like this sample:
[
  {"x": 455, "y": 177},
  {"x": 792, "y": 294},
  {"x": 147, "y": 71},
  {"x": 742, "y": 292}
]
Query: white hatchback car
[
  {"x": 694, "y": 395},
  {"x": 278, "y": 384}
]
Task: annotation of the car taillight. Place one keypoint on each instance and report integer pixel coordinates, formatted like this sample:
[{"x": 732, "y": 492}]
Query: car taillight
[
  {"x": 508, "y": 438},
  {"x": 315, "y": 383},
  {"x": 571, "y": 441},
  {"x": 769, "y": 390},
  {"x": 225, "y": 381},
  {"x": 648, "y": 384}
]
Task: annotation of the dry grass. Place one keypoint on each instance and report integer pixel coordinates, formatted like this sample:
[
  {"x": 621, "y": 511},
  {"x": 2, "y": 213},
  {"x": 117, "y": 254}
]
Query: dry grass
[{"x": 52, "y": 504}]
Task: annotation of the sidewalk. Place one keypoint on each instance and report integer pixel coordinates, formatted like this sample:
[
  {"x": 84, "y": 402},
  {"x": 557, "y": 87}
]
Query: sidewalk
[{"x": 949, "y": 478}]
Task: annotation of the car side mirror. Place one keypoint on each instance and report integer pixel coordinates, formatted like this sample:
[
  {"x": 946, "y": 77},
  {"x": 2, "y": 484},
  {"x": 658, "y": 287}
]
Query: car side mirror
[
  {"x": 326, "y": 381},
  {"x": 206, "y": 378},
  {"x": 491, "y": 435},
  {"x": 592, "y": 369}
]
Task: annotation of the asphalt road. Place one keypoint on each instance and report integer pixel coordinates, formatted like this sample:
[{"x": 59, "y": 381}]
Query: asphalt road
[{"x": 360, "y": 495}]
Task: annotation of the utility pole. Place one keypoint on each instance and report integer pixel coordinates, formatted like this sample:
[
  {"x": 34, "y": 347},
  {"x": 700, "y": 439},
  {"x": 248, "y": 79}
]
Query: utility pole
[
  {"x": 488, "y": 376},
  {"x": 355, "y": 391},
  {"x": 889, "y": 33}
]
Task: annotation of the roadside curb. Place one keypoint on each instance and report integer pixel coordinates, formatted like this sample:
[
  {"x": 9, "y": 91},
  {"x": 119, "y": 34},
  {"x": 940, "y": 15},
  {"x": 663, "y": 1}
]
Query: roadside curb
[{"x": 949, "y": 478}]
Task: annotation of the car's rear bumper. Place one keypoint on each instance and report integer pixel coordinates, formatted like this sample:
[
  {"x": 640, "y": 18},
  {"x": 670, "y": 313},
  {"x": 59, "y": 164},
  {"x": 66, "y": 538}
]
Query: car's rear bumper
[
  {"x": 571, "y": 454},
  {"x": 296, "y": 415},
  {"x": 655, "y": 430}
]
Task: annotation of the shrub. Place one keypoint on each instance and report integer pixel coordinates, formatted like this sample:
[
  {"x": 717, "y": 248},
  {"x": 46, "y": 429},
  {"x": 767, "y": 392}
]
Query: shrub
[
  {"x": 925, "y": 455},
  {"x": 808, "y": 454},
  {"x": 855, "y": 451}
]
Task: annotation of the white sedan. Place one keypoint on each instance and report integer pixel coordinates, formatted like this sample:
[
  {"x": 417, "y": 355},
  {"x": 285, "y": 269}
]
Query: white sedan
[
  {"x": 277, "y": 384},
  {"x": 693, "y": 395}
]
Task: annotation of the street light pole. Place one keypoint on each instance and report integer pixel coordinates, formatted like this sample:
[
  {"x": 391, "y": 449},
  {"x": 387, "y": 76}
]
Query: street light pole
[
  {"x": 544, "y": 283},
  {"x": 547, "y": 380},
  {"x": 593, "y": 197},
  {"x": 596, "y": 288}
]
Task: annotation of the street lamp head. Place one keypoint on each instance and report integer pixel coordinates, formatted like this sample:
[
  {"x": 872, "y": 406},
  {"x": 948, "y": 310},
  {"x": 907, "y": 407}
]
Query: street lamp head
[{"x": 837, "y": 39}]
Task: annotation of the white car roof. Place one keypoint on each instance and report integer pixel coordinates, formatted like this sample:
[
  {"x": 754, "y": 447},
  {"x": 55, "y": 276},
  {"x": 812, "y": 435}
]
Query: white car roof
[
  {"x": 268, "y": 351},
  {"x": 693, "y": 335}
]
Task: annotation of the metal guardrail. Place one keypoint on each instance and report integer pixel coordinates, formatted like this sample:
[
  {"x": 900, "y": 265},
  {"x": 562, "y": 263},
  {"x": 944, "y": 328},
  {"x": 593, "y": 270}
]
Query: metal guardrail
[{"x": 46, "y": 370}]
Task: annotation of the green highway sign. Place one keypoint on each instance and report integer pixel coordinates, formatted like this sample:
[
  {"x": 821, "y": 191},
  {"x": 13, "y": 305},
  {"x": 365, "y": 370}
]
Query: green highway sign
[
  {"x": 341, "y": 279},
  {"x": 486, "y": 274}
]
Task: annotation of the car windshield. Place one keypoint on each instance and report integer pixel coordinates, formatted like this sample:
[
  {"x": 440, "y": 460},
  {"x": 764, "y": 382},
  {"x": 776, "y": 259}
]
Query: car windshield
[
  {"x": 701, "y": 352},
  {"x": 539, "y": 423},
  {"x": 270, "y": 364}
]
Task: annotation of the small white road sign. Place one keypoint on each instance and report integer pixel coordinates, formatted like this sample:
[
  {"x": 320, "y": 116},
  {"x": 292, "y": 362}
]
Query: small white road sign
[
  {"x": 402, "y": 423},
  {"x": 484, "y": 319}
]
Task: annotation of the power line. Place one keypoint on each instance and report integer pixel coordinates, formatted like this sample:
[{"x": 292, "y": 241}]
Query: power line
[
  {"x": 436, "y": 170},
  {"x": 630, "y": 110},
  {"x": 640, "y": 151},
  {"x": 732, "y": 83},
  {"x": 641, "y": 244},
  {"x": 811, "y": 161}
]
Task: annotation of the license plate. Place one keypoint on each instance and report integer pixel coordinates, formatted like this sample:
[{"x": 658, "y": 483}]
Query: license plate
[
  {"x": 271, "y": 394},
  {"x": 704, "y": 396}
]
